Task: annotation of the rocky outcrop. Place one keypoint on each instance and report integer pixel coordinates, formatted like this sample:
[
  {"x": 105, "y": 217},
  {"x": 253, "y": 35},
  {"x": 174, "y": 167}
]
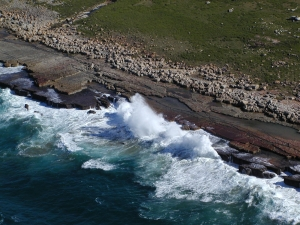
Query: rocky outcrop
[
  {"x": 195, "y": 86},
  {"x": 104, "y": 101},
  {"x": 245, "y": 147},
  {"x": 35, "y": 24},
  {"x": 293, "y": 167},
  {"x": 293, "y": 180},
  {"x": 248, "y": 162},
  {"x": 256, "y": 170},
  {"x": 85, "y": 99},
  {"x": 11, "y": 63},
  {"x": 91, "y": 112},
  {"x": 226, "y": 154}
]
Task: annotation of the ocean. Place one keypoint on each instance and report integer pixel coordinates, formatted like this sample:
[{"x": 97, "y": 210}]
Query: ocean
[{"x": 123, "y": 165}]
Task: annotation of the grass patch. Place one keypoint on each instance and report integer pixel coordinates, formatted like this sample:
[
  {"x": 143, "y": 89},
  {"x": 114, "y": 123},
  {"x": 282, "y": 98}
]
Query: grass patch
[
  {"x": 254, "y": 38},
  {"x": 68, "y": 8}
]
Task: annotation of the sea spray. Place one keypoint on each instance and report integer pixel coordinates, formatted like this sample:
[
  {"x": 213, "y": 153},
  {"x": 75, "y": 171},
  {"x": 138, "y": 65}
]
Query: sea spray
[
  {"x": 10, "y": 70},
  {"x": 144, "y": 123},
  {"x": 98, "y": 164},
  {"x": 142, "y": 169},
  {"x": 197, "y": 173}
]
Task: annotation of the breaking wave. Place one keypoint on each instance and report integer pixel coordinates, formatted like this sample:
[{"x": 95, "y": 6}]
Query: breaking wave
[{"x": 181, "y": 166}]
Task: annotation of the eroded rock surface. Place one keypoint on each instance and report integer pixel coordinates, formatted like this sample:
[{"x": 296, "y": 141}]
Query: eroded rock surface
[
  {"x": 203, "y": 96},
  {"x": 35, "y": 24}
]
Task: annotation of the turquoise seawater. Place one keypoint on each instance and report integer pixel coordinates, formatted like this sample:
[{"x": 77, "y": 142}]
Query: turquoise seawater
[{"x": 123, "y": 165}]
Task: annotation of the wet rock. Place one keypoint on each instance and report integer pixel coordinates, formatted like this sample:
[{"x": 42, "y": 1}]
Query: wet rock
[
  {"x": 194, "y": 127},
  {"x": 39, "y": 96},
  {"x": 104, "y": 101},
  {"x": 293, "y": 168},
  {"x": 242, "y": 158},
  {"x": 11, "y": 63},
  {"x": 268, "y": 175},
  {"x": 6, "y": 64},
  {"x": 226, "y": 153},
  {"x": 91, "y": 112},
  {"x": 60, "y": 105},
  {"x": 247, "y": 158},
  {"x": 113, "y": 99},
  {"x": 80, "y": 106},
  {"x": 38, "y": 113},
  {"x": 276, "y": 169},
  {"x": 187, "y": 125},
  {"x": 293, "y": 180},
  {"x": 253, "y": 169},
  {"x": 26, "y": 106},
  {"x": 21, "y": 92},
  {"x": 245, "y": 147}
]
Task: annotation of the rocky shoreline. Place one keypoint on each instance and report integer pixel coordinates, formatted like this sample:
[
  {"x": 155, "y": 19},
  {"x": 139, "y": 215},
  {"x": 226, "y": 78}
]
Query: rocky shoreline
[
  {"x": 209, "y": 80},
  {"x": 209, "y": 92}
]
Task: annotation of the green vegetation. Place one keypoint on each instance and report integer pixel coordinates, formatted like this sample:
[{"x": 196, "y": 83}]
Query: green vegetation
[
  {"x": 255, "y": 38},
  {"x": 67, "y": 8}
]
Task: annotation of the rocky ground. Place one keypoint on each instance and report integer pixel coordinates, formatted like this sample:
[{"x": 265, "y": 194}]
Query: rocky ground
[
  {"x": 240, "y": 91},
  {"x": 206, "y": 96}
]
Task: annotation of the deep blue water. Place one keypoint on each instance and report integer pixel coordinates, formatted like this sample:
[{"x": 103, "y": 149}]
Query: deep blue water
[{"x": 123, "y": 165}]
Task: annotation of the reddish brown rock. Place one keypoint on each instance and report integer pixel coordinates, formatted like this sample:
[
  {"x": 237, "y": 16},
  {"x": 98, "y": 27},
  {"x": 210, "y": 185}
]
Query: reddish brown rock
[{"x": 245, "y": 147}]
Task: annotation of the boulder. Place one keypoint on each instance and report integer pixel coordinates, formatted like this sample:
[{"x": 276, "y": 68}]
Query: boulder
[
  {"x": 268, "y": 175},
  {"x": 246, "y": 158},
  {"x": 253, "y": 169},
  {"x": 60, "y": 104},
  {"x": 293, "y": 168},
  {"x": 21, "y": 92},
  {"x": 293, "y": 180},
  {"x": 91, "y": 112},
  {"x": 242, "y": 158},
  {"x": 7, "y": 64},
  {"x": 81, "y": 106},
  {"x": 104, "y": 101},
  {"x": 226, "y": 153},
  {"x": 113, "y": 99},
  {"x": 38, "y": 112}
]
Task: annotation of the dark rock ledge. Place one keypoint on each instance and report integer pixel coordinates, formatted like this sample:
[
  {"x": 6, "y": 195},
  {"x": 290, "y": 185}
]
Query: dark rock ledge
[
  {"x": 90, "y": 97},
  {"x": 67, "y": 82},
  {"x": 257, "y": 163}
]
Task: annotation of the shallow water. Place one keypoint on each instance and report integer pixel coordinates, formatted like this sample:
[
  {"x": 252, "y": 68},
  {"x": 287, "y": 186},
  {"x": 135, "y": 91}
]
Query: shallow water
[{"x": 123, "y": 165}]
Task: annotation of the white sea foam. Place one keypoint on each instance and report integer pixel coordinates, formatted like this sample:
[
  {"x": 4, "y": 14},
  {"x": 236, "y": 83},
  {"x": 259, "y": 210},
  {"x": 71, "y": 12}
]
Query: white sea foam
[
  {"x": 179, "y": 164},
  {"x": 9, "y": 70},
  {"x": 211, "y": 180},
  {"x": 68, "y": 142},
  {"x": 51, "y": 94},
  {"x": 144, "y": 123},
  {"x": 140, "y": 119},
  {"x": 64, "y": 125},
  {"x": 22, "y": 81},
  {"x": 98, "y": 164},
  {"x": 197, "y": 173}
]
